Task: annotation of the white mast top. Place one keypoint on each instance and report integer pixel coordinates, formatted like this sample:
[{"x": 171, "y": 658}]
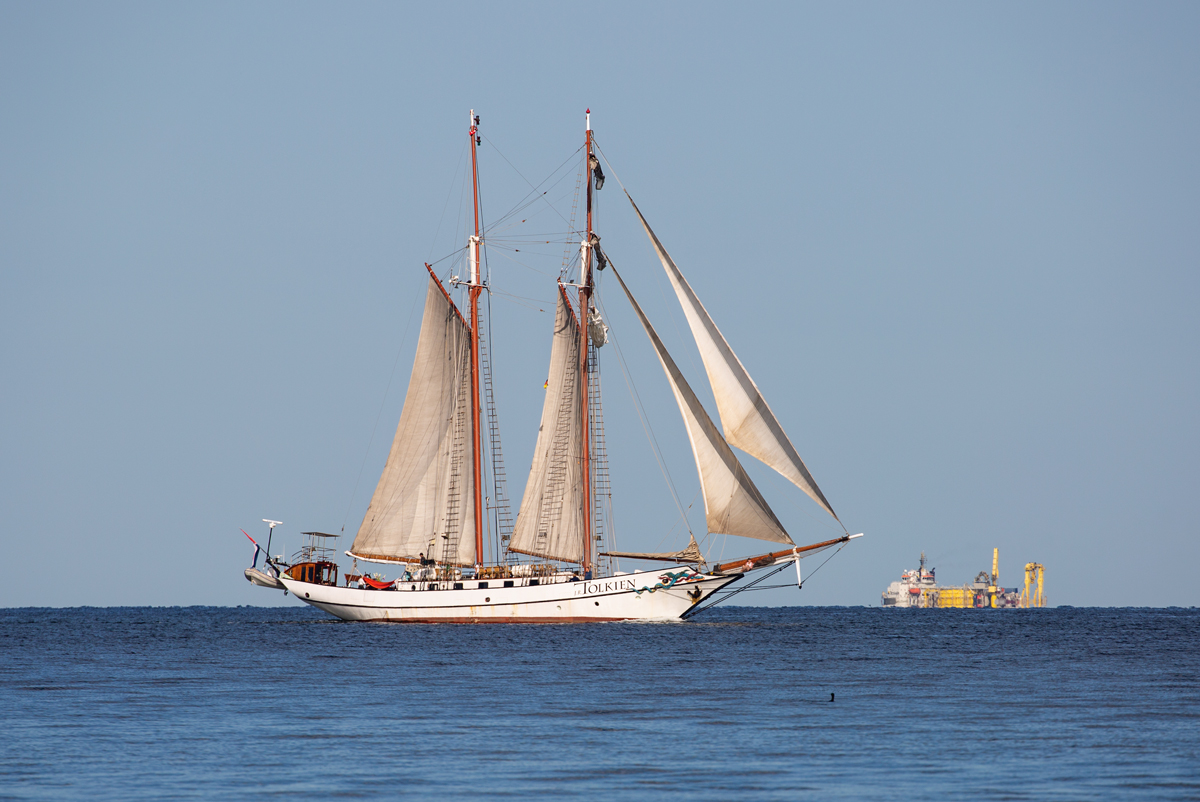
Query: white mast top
[{"x": 589, "y": 119}]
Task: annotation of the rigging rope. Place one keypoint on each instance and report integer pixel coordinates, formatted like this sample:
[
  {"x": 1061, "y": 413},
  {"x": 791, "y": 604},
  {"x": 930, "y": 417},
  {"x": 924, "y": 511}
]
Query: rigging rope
[
  {"x": 822, "y": 565},
  {"x": 643, "y": 418},
  {"x": 527, "y": 200},
  {"x": 731, "y": 593},
  {"x": 382, "y": 404},
  {"x": 727, "y": 595},
  {"x": 783, "y": 486},
  {"x": 446, "y": 205}
]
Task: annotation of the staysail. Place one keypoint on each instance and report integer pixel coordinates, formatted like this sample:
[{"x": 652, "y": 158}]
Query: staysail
[
  {"x": 732, "y": 504},
  {"x": 748, "y": 422},
  {"x": 550, "y": 521},
  {"x": 424, "y": 502}
]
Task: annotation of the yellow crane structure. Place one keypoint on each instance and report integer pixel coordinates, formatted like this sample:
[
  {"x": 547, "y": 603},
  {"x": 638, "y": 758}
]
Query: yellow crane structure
[
  {"x": 994, "y": 588},
  {"x": 920, "y": 589},
  {"x": 1032, "y": 597}
]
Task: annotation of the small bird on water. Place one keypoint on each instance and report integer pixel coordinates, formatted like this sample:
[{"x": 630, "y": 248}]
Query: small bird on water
[{"x": 831, "y": 697}]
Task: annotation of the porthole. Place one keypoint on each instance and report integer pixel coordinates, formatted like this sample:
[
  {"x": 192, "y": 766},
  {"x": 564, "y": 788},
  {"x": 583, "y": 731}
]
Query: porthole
[
  {"x": 487, "y": 598},
  {"x": 597, "y": 604},
  {"x": 306, "y": 595}
]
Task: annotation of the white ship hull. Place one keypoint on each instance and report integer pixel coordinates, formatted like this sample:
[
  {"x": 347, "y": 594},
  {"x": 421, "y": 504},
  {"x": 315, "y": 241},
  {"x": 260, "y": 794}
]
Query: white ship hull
[
  {"x": 638, "y": 596},
  {"x": 434, "y": 493}
]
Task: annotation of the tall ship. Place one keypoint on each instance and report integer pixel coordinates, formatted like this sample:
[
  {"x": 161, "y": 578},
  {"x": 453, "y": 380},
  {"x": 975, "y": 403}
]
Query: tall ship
[{"x": 439, "y": 523}]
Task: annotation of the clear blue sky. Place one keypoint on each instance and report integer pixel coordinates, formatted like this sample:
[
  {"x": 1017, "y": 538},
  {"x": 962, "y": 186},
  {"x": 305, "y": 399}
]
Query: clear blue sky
[{"x": 956, "y": 245}]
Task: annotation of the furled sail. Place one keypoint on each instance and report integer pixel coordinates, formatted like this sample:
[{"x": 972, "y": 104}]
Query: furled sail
[
  {"x": 691, "y": 554},
  {"x": 597, "y": 328},
  {"x": 748, "y": 422},
  {"x": 732, "y": 504},
  {"x": 550, "y": 521},
  {"x": 424, "y": 502}
]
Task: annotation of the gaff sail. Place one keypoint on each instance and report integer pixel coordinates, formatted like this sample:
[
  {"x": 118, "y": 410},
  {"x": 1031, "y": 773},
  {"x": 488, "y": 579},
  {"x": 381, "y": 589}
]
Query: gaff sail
[
  {"x": 424, "y": 502},
  {"x": 732, "y": 504},
  {"x": 550, "y": 522},
  {"x": 748, "y": 422}
]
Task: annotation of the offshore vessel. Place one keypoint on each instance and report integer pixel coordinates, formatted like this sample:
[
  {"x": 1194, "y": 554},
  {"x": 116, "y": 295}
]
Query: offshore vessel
[
  {"x": 428, "y": 518},
  {"x": 919, "y": 588}
]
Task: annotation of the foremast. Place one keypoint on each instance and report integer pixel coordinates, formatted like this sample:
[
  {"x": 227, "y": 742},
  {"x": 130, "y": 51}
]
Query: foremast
[{"x": 474, "y": 288}]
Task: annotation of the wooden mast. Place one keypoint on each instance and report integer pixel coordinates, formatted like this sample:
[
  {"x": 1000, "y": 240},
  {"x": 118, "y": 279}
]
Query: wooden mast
[
  {"x": 585, "y": 297},
  {"x": 473, "y": 290}
]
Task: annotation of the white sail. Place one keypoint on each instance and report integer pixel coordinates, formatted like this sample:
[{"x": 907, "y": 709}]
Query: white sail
[
  {"x": 748, "y": 422},
  {"x": 732, "y": 504},
  {"x": 424, "y": 502},
  {"x": 550, "y": 521}
]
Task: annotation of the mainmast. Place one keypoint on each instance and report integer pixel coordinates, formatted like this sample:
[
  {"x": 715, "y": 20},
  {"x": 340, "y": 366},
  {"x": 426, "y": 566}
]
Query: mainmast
[
  {"x": 474, "y": 288},
  {"x": 585, "y": 298}
]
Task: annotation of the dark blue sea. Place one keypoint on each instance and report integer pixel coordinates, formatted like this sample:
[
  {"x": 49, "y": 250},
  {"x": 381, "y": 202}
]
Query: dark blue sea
[{"x": 253, "y": 703}]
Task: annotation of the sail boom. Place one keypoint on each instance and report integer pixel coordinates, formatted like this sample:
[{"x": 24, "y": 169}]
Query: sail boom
[
  {"x": 666, "y": 557},
  {"x": 545, "y": 556},
  {"x": 691, "y": 554},
  {"x": 398, "y": 559}
]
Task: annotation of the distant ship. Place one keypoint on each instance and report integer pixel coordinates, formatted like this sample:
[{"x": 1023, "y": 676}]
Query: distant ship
[
  {"x": 426, "y": 518},
  {"x": 919, "y": 588}
]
